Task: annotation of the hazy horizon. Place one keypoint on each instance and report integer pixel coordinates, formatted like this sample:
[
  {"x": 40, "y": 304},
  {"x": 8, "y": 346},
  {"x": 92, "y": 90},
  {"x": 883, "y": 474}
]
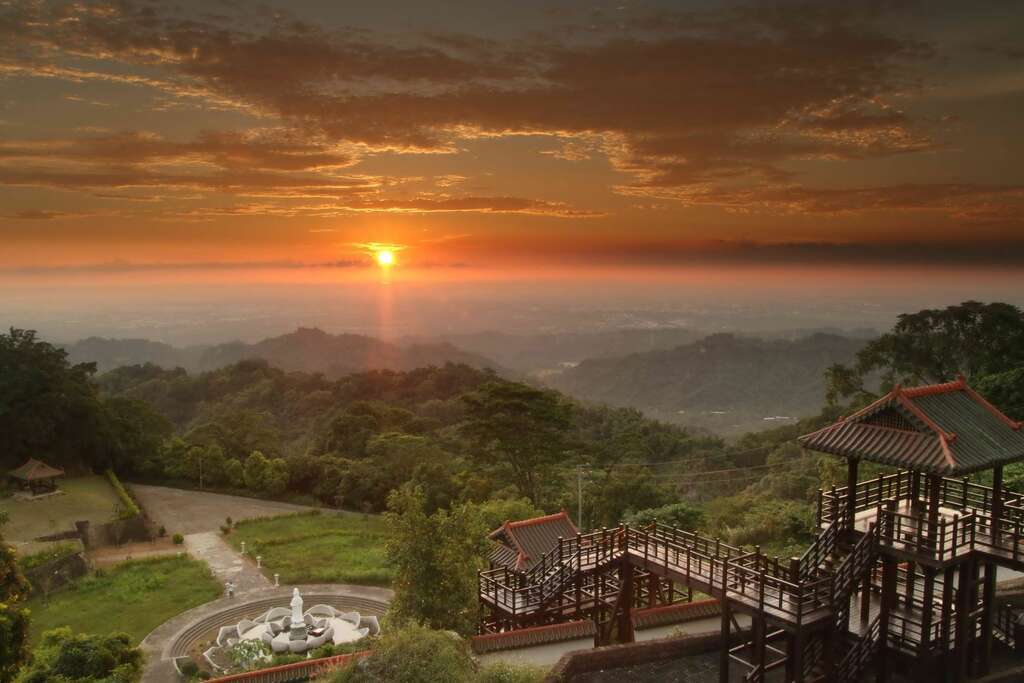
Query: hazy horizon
[{"x": 197, "y": 306}]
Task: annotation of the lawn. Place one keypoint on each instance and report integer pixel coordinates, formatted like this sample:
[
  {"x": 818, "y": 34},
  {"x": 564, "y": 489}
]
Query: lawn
[
  {"x": 134, "y": 597},
  {"x": 90, "y": 498},
  {"x": 318, "y": 548}
]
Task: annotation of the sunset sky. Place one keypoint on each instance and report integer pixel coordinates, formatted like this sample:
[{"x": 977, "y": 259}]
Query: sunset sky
[{"x": 141, "y": 135}]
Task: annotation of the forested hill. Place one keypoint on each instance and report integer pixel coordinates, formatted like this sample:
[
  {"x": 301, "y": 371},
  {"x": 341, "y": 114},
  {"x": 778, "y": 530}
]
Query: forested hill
[
  {"x": 305, "y": 350},
  {"x": 725, "y": 383}
]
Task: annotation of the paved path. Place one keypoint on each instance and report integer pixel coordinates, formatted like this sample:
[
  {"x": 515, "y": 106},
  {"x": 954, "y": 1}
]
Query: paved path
[
  {"x": 182, "y": 511},
  {"x": 225, "y": 562}
]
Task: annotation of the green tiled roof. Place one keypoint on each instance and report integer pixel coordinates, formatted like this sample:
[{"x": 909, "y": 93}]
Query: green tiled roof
[{"x": 945, "y": 429}]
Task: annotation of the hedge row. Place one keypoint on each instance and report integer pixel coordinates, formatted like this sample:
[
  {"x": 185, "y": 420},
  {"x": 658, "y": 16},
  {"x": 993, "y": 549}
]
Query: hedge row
[{"x": 130, "y": 509}]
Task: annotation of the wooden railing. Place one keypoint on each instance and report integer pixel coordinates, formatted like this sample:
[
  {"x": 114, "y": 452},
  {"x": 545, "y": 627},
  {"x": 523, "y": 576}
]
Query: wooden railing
[
  {"x": 833, "y": 503},
  {"x": 813, "y": 561},
  {"x": 756, "y": 579},
  {"x": 1005, "y": 625},
  {"x": 974, "y": 528},
  {"x": 853, "y": 664}
]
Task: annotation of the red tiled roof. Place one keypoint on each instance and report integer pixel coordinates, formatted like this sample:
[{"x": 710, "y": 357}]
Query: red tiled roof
[
  {"x": 946, "y": 429},
  {"x": 529, "y": 539}
]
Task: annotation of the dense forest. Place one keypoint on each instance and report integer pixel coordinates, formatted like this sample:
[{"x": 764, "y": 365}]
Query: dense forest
[
  {"x": 462, "y": 434},
  {"x": 726, "y": 383}
]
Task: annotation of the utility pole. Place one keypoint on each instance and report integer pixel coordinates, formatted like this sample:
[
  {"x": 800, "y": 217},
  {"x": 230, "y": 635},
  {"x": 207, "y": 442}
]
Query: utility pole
[
  {"x": 579, "y": 495},
  {"x": 200, "y": 471}
]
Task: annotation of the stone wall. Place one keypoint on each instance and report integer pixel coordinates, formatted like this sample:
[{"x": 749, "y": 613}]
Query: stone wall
[
  {"x": 117, "y": 532},
  {"x": 56, "y": 573}
]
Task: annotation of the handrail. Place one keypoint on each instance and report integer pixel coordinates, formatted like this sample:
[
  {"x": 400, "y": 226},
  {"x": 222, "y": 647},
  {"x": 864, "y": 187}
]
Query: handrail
[
  {"x": 852, "y": 665},
  {"x": 814, "y": 557}
]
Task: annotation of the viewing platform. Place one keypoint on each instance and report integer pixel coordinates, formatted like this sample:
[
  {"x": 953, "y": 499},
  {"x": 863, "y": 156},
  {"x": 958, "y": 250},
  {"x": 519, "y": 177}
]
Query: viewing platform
[{"x": 965, "y": 521}]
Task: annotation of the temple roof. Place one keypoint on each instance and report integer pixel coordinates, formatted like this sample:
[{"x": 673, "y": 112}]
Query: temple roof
[
  {"x": 947, "y": 429},
  {"x": 518, "y": 545},
  {"x": 34, "y": 470}
]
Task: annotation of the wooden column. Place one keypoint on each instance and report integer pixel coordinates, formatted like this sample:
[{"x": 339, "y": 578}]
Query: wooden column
[
  {"x": 927, "y": 617},
  {"x": 947, "y": 614},
  {"x": 997, "y": 502},
  {"x": 964, "y": 619},
  {"x": 915, "y": 490},
  {"x": 988, "y": 601},
  {"x": 851, "y": 491},
  {"x": 758, "y": 636},
  {"x": 935, "y": 492},
  {"x": 726, "y": 643},
  {"x": 624, "y": 625},
  {"x": 888, "y": 602}
]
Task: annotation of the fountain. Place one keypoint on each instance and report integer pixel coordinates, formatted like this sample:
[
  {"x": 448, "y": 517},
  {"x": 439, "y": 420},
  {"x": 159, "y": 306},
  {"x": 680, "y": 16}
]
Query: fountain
[{"x": 294, "y": 630}]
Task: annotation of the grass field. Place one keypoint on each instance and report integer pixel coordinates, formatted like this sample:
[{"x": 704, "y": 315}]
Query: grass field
[
  {"x": 317, "y": 548},
  {"x": 90, "y": 498},
  {"x": 134, "y": 597}
]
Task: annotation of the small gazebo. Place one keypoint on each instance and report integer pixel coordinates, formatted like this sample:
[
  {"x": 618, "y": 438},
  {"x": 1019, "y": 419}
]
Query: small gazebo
[{"x": 36, "y": 476}]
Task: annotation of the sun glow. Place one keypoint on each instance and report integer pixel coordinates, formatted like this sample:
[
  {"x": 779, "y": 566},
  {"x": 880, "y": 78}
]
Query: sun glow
[{"x": 385, "y": 258}]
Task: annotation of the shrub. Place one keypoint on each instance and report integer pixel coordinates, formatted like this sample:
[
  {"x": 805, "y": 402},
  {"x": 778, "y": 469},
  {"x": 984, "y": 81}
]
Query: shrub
[
  {"x": 177, "y": 539},
  {"x": 189, "y": 669},
  {"x": 503, "y": 672},
  {"x": 65, "y": 656},
  {"x": 413, "y": 654},
  {"x": 162, "y": 531},
  {"x": 50, "y": 554},
  {"x": 128, "y": 507}
]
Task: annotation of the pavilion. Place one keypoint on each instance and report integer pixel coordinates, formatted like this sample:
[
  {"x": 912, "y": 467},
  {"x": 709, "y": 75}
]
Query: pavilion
[{"x": 36, "y": 476}]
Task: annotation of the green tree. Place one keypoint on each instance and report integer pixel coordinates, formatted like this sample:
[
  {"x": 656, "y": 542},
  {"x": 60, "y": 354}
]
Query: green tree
[
  {"x": 13, "y": 618},
  {"x": 255, "y": 471},
  {"x": 495, "y": 512},
  {"x": 65, "y": 656},
  {"x": 679, "y": 515},
  {"x": 1005, "y": 390},
  {"x": 136, "y": 431},
  {"x": 234, "y": 472},
  {"x": 48, "y": 406},
  {"x": 413, "y": 654},
  {"x": 522, "y": 428},
  {"x": 934, "y": 345},
  {"x": 436, "y": 558},
  {"x": 275, "y": 477}
]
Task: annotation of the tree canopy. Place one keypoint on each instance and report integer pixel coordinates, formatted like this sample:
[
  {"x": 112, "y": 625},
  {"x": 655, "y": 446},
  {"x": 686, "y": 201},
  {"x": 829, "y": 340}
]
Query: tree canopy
[{"x": 935, "y": 345}]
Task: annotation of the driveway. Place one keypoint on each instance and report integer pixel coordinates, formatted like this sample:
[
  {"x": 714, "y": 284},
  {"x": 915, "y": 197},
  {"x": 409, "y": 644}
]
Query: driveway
[{"x": 185, "y": 512}]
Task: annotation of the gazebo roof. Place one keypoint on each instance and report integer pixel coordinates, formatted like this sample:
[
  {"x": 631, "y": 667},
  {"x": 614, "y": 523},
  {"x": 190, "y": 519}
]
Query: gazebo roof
[
  {"x": 34, "y": 470},
  {"x": 520, "y": 544},
  {"x": 946, "y": 429}
]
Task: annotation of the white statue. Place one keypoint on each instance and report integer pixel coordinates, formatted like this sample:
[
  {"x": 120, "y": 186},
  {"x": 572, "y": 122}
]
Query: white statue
[{"x": 296, "y": 607}]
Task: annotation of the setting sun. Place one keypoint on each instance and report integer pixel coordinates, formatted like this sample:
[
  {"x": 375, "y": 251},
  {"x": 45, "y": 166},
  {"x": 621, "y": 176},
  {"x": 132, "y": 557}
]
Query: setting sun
[{"x": 385, "y": 258}]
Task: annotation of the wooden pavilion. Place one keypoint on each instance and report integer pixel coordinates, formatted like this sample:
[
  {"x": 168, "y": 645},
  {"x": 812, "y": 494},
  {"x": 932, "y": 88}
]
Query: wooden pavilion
[
  {"x": 901, "y": 575},
  {"x": 941, "y": 538},
  {"x": 36, "y": 476}
]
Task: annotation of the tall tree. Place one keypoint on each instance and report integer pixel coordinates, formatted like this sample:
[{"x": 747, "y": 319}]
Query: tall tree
[
  {"x": 522, "y": 428},
  {"x": 48, "y": 407},
  {"x": 934, "y": 345},
  {"x": 436, "y": 558}
]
